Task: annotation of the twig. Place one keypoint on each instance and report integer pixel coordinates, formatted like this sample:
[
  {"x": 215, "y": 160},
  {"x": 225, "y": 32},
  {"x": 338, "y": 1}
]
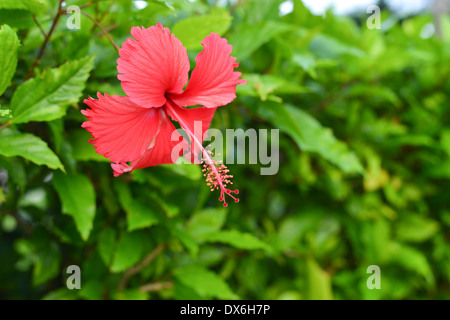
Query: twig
[
  {"x": 40, "y": 27},
  {"x": 86, "y": 4},
  {"x": 7, "y": 124},
  {"x": 156, "y": 286},
  {"x": 47, "y": 38},
  {"x": 105, "y": 12},
  {"x": 110, "y": 28},
  {"x": 132, "y": 271},
  {"x": 101, "y": 28}
]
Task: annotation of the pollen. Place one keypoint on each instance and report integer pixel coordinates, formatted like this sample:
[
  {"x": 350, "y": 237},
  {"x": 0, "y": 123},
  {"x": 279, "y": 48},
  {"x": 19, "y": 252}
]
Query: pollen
[{"x": 218, "y": 177}]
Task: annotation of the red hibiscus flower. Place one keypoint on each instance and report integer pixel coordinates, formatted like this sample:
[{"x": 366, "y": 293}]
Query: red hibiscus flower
[{"x": 135, "y": 131}]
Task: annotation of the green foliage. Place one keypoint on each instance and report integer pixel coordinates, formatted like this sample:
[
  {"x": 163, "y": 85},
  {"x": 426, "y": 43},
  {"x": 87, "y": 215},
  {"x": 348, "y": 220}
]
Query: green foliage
[
  {"x": 77, "y": 195},
  {"x": 191, "y": 31},
  {"x": 203, "y": 282},
  {"x": 14, "y": 143},
  {"x": 46, "y": 98},
  {"x": 9, "y": 43},
  {"x": 364, "y": 160}
]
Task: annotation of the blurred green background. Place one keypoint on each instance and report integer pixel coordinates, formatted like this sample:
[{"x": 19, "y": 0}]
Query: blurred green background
[{"x": 364, "y": 174}]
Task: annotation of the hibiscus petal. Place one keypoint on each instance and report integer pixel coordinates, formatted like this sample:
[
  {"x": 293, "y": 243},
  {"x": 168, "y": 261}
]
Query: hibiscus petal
[
  {"x": 213, "y": 81},
  {"x": 195, "y": 122},
  {"x": 152, "y": 64},
  {"x": 122, "y": 130},
  {"x": 160, "y": 152}
]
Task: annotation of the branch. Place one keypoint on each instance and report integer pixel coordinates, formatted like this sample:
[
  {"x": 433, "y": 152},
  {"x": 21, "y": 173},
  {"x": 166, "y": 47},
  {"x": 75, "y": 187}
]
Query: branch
[
  {"x": 132, "y": 271},
  {"x": 40, "y": 27},
  {"x": 110, "y": 28},
  {"x": 44, "y": 45},
  {"x": 101, "y": 28},
  {"x": 155, "y": 286},
  {"x": 7, "y": 124}
]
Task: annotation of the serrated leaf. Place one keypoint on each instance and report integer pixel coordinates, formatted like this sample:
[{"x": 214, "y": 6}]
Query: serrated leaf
[
  {"x": 191, "y": 31},
  {"x": 236, "y": 239},
  {"x": 204, "y": 282},
  {"x": 9, "y": 44},
  {"x": 311, "y": 136},
  {"x": 46, "y": 97},
  {"x": 14, "y": 143},
  {"x": 77, "y": 195}
]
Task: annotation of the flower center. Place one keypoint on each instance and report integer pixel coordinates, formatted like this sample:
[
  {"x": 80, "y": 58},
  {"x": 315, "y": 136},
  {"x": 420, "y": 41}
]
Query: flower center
[{"x": 216, "y": 172}]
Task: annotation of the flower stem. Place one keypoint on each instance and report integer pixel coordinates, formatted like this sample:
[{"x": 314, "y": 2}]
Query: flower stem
[
  {"x": 206, "y": 157},
  {"x": 44, "y": 45}
]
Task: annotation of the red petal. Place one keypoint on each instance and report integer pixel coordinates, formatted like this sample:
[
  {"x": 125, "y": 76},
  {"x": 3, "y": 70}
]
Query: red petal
[
  {"x": 122, "y": 130},
  {"x": 194, "y": 121},
  {"x": 152, "y": 65},
  {"x": 213, "y": 81},
  {"x": 160, "y": 152}
]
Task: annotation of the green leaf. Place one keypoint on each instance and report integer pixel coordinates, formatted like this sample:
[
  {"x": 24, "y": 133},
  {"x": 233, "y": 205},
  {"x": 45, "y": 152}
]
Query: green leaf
[
  {"x": 82, "y": 150},
  {"x": 250, "y": 38},
  {"x": 207, "y": 221},
  {"x": 9, "y": 44},
  {"x": 18, "y": 19},
  {"x": 327, "y": 47},
  {"x": 91, "y": 290},
  {"x": 47, "y": 97},
  {"x": 413, "y": 260},
  {"x": 5, "y": 114},
  {"x": 237, "y": 239},
  {"x": 191, "y": 31},
  {"x": 189, "y": 171},
  {"x": 131, "y": 294},
  {"x": 34, "y": 6},
  {"x": 139, "y": 215},
  {"x": 47, "y": 265},
  {"x": 61, "y": 294},
  {"x": 204, "y": 282},
  {"x": 415, "y": 228},
  {"x": 177, "y": 230},
  {"x": 309, "y": 134},
  {"x": 77, "y": 195},
  {"x": 107, "y": 244},
  {"x": 318, "y": 282},
  {"x": 28, "y": 146},
  {"x": 267, "y": 86},
  {"x": 2, "y": 196},
  {"x": 129, "y": 251}
]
